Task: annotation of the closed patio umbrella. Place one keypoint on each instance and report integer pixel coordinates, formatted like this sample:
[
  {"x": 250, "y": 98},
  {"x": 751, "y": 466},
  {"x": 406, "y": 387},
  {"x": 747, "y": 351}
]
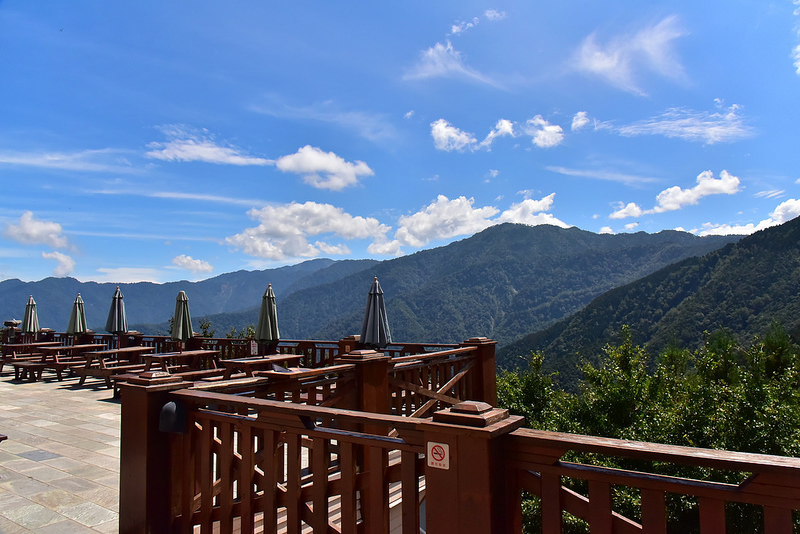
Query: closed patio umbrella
[
  {"x": 117, "y": 322},
  {"x": 375, "y": 328},
  {"x": 267, "y": 328},
  {"x": 30, "y": 322},
  {"x": 77, "y": 319},
  {"x": 181, "y": 320}
]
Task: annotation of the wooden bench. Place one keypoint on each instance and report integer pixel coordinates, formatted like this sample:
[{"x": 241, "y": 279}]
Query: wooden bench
[
  {"x": 28, "y": 370},
  {"x": 106, "y": 372},
  {"x": 14, "y": 357}
]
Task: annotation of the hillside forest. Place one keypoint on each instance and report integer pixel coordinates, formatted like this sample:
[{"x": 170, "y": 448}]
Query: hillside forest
[{"x": 722, "y": 395}]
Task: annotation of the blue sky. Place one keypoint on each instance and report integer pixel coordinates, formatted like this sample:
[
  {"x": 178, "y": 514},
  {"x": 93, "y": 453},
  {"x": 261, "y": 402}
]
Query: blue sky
[{"x": 164, "y": 141}]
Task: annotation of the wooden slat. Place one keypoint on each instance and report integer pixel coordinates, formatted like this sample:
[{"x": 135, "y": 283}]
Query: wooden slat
[
  {"x": 293, "y": 497},
  {"x": 778, "y": 520},
  {"x": 410, "y": 492},
  {"x": 319, "y": 491},
  {"x": 551, "y": 504},
  {"x": 347, "y": 467},
  {"x": 600, "y": 507},
  {"x": 654, "y": 512},
  {"x": 225, "y": 463},
  {"x": 375, "y": 496},
  {"x": 712, "y": 516},
  {"x": 206, "y": 484}
]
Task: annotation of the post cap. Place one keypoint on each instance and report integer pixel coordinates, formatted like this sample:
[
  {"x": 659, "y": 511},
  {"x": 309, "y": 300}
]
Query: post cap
[{"x": 471, "y": 413}]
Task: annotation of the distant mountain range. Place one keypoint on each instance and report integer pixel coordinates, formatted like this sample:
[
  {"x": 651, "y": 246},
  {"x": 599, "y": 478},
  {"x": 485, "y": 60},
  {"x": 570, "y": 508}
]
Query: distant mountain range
[
  {"x": 504, "y": 283},
  {"x": 743, "y": 287}
]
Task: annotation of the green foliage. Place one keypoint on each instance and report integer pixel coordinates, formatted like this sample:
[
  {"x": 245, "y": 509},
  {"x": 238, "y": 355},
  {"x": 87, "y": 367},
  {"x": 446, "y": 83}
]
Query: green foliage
[
  {"x": 245, "y": 333},
  {"x": 722, "y": 395},
  {"x": 205, "y": 329}
]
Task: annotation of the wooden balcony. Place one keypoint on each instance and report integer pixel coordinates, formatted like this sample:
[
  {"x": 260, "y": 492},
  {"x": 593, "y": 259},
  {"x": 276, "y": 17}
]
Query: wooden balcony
[{"x": 408, "y": 441}]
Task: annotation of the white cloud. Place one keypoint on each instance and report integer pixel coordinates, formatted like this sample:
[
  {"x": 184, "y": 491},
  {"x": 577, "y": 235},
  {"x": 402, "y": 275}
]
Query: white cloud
[
  {"x": 323, "y": 170},
  {"x": 283, "y": 231},
  {"x": 502, "y": 128},
  {"x": 628, "y": 210},
  {"x": 32, "y": 231},
  {"x": 580, "y": 120},
  {"x": 445, "y": 218},
  {"x": 448, "y": 138},
  {"x": 532, "y": 212},
  {"x": 545, "y": 135},
  {"x": 786, "y": 211},
  {"x": 190, "y": 264},
  {"x": 631, "y": 226},
  {"x": 442, "y": 219},
  {"x": 725, "y": 126},
  {"x": 493, "y": 14},
  {"x": 187, "y": 145},
  {"x": 606, "y": 230},
  {"x": 442, "y": 60},
  {"x": 675, "y": 198},
  {"x": 620, "y": 61},
  {"x": 65, "y": 264}
]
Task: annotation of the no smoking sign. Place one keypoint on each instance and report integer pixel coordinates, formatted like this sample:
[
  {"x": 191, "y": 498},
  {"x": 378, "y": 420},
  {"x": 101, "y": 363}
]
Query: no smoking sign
[{"x": 438, "y": 455}]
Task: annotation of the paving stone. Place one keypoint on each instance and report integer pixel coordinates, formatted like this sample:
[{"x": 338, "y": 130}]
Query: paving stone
[
  {"x": 87, "y": 513},
  {"x": 32, "y": 516},
  {"x": 39, "y": 455}
]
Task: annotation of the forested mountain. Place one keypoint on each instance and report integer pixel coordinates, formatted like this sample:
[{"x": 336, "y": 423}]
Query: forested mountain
[
  {"x": 742, "y": 287},
  {"x": 501, "y": 283},
  {"x": 154, "y": 303}
]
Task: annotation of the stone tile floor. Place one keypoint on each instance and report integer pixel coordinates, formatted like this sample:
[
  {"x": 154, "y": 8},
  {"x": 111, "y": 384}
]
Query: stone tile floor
[{"x": 59, "y": 467}]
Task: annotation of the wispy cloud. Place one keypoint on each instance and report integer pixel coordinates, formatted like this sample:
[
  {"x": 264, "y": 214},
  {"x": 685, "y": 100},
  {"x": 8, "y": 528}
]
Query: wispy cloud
[
  {"x": 621, "y": 61},
  {"x": 602, "y": 174},
  {"x": 375, "y": 127},
  {"x": 723, "y": 126},
  {"x": 101, "y": 160},
  {"x": 442, "y": 60},
  {"x": 185, "y": 144},
  {"x": 125, "y": 275}
]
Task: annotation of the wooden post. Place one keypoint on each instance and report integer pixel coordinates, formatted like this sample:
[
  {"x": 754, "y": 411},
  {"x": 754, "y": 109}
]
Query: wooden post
[
  {"x": 484, "y": 381},
  {"x": 372, "y": 379},
  {"x": 145, "y": 488},
  {"x": 465, "y": 485}
]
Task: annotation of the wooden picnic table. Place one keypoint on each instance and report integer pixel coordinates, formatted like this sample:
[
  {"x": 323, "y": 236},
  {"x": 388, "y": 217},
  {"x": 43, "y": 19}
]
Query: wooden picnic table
[
  {"x": 189, "y": 360},
  {"x": 105, "y": 363},
  {"x": 256, "y": 363},
  {"x": 57, "y": 358},
  {"x": 10, "y": 348}
]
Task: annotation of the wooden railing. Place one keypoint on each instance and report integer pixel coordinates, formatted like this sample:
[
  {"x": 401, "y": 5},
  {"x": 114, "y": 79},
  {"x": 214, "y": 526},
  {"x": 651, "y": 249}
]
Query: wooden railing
[
  {"x": 535, "y": 464},
  {"x": 344, "y": 448}
]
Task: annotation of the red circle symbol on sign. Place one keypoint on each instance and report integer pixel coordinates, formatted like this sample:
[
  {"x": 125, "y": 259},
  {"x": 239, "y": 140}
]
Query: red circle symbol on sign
[{"x": 437, "y": 451}]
